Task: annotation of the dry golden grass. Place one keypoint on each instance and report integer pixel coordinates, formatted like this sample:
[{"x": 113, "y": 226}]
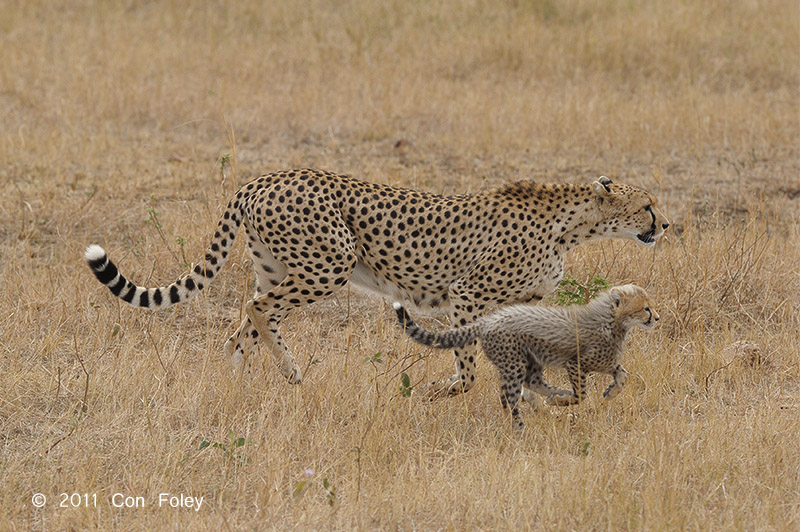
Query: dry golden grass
[{"x": 110, "y": 109}]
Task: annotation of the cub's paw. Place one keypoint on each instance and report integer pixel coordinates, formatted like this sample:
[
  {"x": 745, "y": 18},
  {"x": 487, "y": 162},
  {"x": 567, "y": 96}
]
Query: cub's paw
[{"x": 611, "y": 392}]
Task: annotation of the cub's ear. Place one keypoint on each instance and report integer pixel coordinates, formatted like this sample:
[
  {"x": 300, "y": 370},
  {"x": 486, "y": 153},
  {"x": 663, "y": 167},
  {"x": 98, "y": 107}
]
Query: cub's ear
[
  {"x": 601, "y": 187},
  {"x": 616, "y": 295}
]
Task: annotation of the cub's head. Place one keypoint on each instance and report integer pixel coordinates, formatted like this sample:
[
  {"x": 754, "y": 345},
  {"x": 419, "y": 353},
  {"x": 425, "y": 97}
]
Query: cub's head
[
  {"x": 629, "y": 212},
  {"x": 633, "y": 307}
]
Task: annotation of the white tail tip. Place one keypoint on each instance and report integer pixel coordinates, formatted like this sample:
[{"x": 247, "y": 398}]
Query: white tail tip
[
  {"x": 396, "y": 305},
  {"x": 94, "y": 252}
]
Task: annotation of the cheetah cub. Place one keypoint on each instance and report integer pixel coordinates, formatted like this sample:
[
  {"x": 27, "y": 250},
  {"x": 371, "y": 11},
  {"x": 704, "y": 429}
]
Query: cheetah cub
[{"x": 522, "y": 339}]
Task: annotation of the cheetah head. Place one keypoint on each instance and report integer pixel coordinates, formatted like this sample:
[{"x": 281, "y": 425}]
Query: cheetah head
[
  {"x": 629, "y": 212},
  {"x": 633, "y": 307}
]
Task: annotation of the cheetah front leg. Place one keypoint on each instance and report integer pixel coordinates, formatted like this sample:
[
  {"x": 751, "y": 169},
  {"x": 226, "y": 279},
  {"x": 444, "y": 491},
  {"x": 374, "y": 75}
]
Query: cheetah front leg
[
  {"x": 620, "y": 376},
  {"x": 461, "y": 313}
]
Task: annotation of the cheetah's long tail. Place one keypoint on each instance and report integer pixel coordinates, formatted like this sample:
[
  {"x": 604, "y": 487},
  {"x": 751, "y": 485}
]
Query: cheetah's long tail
[
  {"x": 185, "y": 288},
  {"x": 456, "y": 337}
]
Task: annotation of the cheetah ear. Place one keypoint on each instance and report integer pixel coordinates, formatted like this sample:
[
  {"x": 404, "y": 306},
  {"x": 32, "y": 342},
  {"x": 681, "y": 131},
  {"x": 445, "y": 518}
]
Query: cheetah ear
[
  {"x": 616, "y": 296},
  {"x": 601, "y": 187}
]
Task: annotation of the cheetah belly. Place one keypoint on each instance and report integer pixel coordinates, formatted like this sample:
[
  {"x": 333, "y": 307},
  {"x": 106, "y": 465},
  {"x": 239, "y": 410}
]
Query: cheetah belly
[{"x": 367, "y": 280}]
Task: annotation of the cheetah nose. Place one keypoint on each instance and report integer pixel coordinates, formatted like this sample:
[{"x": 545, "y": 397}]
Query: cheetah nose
[{"x": 665, "y": 225}]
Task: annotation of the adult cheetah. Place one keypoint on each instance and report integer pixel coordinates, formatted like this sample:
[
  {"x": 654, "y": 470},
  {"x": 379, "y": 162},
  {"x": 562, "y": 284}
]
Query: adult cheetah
[{"x": 310, "y": 231}]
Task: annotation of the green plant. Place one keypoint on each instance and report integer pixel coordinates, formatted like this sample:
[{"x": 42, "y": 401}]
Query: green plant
[
  {"x": 376, "y": 358},
  {"x": 573, "y": 292},
  {"x": 405, "y": 385},
  {"x": 181, "y": 244},
  {"x": 330, "y": 491},
  {"x": 229, "y": 449},
  {"x": 302, "y": 486},
  {"x": 224, "y": 161},
  {"x": 152, "y": 219}
]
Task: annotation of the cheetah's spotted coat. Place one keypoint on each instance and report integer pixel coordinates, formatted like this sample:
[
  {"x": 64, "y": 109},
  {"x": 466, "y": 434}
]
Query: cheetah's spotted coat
[
  {"x": 523, "y": 339},
  {"x": 309, "y": 232}
]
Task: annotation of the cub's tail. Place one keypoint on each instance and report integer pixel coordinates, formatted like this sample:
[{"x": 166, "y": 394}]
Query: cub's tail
[
  {"x": 185, "y": 288},
  {"x": 456, "y": 337}
]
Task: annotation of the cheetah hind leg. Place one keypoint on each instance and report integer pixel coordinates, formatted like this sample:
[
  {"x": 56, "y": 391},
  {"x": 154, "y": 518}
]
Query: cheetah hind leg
[
  {"x": 536, "y": 386},
  {"x": 578, "y": 393},
  {"x": 243, "y": 343},
  {"x": 240, "y": 347},
  {"x": 267, "y": 310},
  {"x": 264, "y": 313},
  {"x": 266, "y": 328},
  {"x": 510, "y": 392}
]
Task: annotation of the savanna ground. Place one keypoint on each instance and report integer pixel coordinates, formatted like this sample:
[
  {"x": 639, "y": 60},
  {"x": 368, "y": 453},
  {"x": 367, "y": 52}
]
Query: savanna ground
[{"x": 116, "y": 118}]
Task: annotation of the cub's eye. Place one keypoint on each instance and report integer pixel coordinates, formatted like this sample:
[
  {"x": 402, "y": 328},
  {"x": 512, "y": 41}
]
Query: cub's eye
[{"x": 647, "y": 309}]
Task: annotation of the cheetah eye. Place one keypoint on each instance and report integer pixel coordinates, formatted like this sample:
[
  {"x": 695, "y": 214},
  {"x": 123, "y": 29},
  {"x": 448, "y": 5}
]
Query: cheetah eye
[{"x": 647, "y": 309}]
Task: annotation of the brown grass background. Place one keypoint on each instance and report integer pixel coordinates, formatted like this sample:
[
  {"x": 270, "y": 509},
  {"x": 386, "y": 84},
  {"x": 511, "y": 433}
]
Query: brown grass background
[{"x": 112, "y": 113}]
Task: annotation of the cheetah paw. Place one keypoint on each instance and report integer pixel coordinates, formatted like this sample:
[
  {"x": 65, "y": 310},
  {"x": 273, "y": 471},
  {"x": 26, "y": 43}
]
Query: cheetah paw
[
  {"x": 293, "y": 374},
  {"x": 441, "y": 389},
  {"x": 561, "y": 400},
  {"x": 611, "y": 392}
]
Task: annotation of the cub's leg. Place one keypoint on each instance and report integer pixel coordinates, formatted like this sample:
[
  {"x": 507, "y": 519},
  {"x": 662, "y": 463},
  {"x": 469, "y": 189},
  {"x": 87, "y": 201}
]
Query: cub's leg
[
  {"x": 535, "y": 382},
  {"x": 469, "y": 296},
  {"x": 511, "y": 369},
  {"x": 620, "y": 376},
  {"x": 578, "y": 380}
]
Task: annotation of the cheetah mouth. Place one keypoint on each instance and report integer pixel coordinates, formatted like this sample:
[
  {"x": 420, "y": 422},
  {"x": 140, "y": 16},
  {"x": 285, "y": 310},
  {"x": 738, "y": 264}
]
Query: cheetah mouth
[{"x": 647, "y": 238}]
